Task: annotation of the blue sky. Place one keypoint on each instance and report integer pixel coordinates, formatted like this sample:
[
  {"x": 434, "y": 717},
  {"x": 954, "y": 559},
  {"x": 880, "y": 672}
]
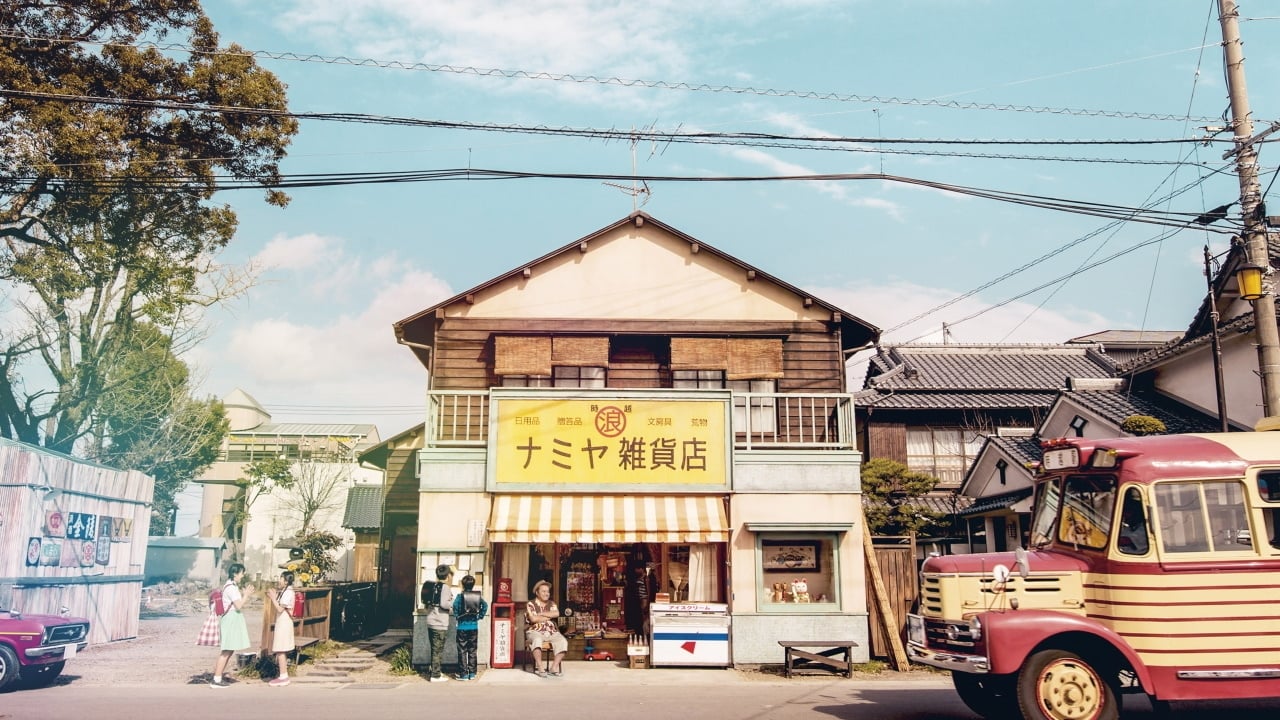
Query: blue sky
[{"x": 313, "y": 340}]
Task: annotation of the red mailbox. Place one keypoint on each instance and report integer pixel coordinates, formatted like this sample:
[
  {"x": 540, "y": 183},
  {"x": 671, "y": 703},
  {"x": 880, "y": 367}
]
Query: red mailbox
[{"x": 502, "y": 651}]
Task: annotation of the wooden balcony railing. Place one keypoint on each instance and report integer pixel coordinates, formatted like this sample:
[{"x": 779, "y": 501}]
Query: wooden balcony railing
[{"x": 761, "y": 421}]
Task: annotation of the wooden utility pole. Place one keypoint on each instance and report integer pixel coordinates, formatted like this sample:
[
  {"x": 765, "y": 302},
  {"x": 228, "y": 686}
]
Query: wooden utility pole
[{"x": 1255, "y": 231}]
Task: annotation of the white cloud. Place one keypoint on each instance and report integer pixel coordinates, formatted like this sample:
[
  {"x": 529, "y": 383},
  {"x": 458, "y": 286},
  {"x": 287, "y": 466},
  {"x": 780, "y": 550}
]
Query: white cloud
[
  {"x": 836, "y": 190},
  {"x": 295, "y": 252}
]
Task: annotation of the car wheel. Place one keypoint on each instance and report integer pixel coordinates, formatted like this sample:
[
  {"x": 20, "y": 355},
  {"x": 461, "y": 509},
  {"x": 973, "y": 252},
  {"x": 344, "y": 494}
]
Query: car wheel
[
  {"x": 38, "y": 676},
  {"x": 591, "y": 658},
  {"x": 1060, "y": 685},
  {"x": 8, "y": 667},
  {"x": 991, "y": 696}
]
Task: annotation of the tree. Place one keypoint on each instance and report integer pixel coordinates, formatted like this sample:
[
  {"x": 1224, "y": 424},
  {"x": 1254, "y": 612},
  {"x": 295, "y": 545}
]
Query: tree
[
  {"x": 317, "y": 560},
  {"x": 889, "y": 489},
  {"x": 149, "y": 421},
  {"x": 317, "y": 487},
  {"x": 105, "y": 203},
  {"x": 261, "y": 477}
]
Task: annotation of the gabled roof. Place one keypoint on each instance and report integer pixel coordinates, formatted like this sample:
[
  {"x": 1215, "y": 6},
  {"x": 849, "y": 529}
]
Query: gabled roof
[
  {"x": 950, "y": 401},
  {"x": 419, "y": 327},
  {"x": 1021, "y": 450},
  {"x": 1010, "y": 368},
  {"x": 997, "y": 502},
  {"x": 1116, "y": 405},
  {"x": 364, "y": 508}
]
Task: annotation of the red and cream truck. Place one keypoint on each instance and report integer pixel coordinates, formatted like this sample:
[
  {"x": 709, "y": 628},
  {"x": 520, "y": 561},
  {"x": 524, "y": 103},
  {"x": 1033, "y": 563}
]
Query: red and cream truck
[{"x": 1153, "y": 566}]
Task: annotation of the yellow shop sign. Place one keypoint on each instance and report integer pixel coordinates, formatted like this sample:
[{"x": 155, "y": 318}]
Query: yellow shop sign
[{"x": 622, "y": 441}]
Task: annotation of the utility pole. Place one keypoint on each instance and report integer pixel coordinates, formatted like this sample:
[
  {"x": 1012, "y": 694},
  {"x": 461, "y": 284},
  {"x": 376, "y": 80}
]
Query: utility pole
[{"x": 1255, "y": 232}]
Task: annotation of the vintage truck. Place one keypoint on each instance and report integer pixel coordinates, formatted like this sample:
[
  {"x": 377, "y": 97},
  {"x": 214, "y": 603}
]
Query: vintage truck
[{"x": 35, "y": 648}]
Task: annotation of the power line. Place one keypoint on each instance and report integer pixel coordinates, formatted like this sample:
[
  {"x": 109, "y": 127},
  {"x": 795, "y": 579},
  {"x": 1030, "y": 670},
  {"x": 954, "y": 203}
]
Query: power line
[{"x": 622, "y": 82}]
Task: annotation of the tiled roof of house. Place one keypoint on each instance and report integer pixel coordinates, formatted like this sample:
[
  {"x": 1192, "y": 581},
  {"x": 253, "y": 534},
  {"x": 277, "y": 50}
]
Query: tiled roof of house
[
  {"x": 364, "y": 508},
  {"x": 1021, "y": 450},
  {"x": 953, "y": 400},
  {"x": 984, "y": 367},
  {"x": 1238, "y": 325},
  {"x": 1118, "y": 405},
  {"x": 1145, "y": 338},
  {"x": 996, "y": 502}
]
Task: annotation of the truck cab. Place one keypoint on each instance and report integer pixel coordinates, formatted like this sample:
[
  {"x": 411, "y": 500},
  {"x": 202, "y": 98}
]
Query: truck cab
[{"x": 1151, "y": 567}]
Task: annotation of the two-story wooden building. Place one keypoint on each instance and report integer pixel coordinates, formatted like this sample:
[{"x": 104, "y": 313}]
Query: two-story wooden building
[{"x": 639, "y": 413}]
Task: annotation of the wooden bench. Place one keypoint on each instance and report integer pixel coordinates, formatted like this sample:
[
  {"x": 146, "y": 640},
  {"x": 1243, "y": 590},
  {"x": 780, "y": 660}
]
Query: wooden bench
[
  {"x": 300, "y": 644},
  {"x": 797, "y": 658}
]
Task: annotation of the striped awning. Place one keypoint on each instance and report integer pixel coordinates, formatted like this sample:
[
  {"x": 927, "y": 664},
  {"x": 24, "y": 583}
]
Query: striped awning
[{"x": 608, "y": 518}]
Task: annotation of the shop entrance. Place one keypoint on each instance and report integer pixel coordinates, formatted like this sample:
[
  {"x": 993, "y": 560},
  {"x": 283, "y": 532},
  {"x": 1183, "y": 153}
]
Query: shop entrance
[{"x": 604, "y": 590}]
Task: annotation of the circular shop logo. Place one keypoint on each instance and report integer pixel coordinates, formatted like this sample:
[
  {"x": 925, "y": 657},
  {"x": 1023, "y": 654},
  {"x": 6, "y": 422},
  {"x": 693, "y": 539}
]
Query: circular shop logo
[{"x": 610, "y": 421}]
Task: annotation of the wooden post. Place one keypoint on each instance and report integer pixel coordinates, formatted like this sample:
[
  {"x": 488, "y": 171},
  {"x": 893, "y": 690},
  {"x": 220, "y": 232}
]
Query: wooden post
[{"x": 888, "y": 617}]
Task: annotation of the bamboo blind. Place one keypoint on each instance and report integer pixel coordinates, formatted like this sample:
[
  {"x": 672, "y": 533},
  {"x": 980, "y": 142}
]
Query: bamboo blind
[
  {"x": 578, "y": 351},
  {"x": 699, "y": 353},
  {"x": 521, "y": 355},
  {"x": 754, "y": 358}
]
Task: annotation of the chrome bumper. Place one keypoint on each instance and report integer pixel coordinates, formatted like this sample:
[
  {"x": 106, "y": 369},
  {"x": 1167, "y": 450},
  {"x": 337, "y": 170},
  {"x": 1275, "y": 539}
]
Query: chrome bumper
[
  {"x": 955, "y": 662},
  {"x": 59, "y": 650}
]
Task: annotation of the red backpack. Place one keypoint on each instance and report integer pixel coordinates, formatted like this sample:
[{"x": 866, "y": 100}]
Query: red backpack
[
  {"x": 216, "y": 602},
  {"x": 299, "y": 604}
]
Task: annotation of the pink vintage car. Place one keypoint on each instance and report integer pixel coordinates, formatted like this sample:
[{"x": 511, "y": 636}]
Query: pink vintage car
[{"x": 35, "y": 648}]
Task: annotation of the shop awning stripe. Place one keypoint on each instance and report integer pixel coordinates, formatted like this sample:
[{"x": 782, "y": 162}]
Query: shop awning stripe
[{"x": 608, "y": 518}]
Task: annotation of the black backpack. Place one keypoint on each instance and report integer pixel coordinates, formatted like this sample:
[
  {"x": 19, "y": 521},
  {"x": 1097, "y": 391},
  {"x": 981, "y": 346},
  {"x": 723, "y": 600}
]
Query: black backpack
[
  {"x": 470, "y": 605},
  {"x": 431, "y": 593}
]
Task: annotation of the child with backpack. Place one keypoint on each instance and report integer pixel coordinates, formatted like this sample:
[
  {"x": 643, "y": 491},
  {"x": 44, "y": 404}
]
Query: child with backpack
[
  {"x": 282, "y": 643},
  {"x": 470, "y": 608},
  {"x": 437, "y": 598},
  {"x": 231, "y": 624}
]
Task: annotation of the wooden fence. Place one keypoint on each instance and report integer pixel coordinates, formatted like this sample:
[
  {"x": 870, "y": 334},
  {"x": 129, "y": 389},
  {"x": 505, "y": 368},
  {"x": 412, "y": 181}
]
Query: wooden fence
[{"x": 901, "y": 581}]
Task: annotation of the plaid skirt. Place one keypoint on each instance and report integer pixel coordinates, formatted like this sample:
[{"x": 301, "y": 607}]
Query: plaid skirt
[{"x": 210, "y": 635}]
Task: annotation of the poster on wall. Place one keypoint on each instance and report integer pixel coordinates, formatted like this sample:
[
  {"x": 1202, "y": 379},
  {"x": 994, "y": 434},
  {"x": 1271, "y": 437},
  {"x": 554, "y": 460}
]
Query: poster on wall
[
  {"x": 88, "y": 553},
  {"x": 50, "y": 552},
  {"x": 70, "y": 553},
  {"x": 54, "y": 526},
  {"x": 121, "y": 529},
  {"x": 33, "y": 552},
  {"x": 104, "y": 541},
  {"x": 82, "y": 526}
]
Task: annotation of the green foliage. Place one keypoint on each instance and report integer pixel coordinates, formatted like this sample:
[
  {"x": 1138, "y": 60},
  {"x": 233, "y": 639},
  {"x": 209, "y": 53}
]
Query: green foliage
[
  {"x": 888, "y": 490},
  {"x": 148, "y": 421},
  {"x": 402, "y": 661},
  {"x": 105, "y": 207},
  {"x": 871, "y": 667},
  {"x": 317, "y": 556},
  {"x": 260, "y": 478},
  {"x": 1143, "y": 425}
]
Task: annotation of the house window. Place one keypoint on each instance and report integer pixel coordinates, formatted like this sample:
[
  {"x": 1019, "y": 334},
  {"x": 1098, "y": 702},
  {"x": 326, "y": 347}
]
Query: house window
[
  {"x": 1077, "y": 425},
  {"x": 944, "y": 453},
  {"x": 578, "y": 377},
  {"x": 539, "y": 381},
  {"x": 797, "y": 570},
  {"x": 762, "y": 408}
]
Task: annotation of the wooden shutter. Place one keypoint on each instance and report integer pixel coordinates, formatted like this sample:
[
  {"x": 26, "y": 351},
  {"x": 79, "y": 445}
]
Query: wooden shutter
[
  {"x": 754, "y": 359},
  {"x": 699, "y": 353},
  {"x": 521, "y": 355},
  {"x": 578, "y": 351}
]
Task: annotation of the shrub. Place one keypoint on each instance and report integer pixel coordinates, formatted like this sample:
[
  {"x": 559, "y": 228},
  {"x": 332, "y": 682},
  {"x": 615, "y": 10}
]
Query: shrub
[{"x": 1143, "y": 425}]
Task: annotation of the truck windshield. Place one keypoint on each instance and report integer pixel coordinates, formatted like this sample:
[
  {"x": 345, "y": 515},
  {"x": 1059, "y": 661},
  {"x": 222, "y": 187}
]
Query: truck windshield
[{"x": 1076, "y": 510}]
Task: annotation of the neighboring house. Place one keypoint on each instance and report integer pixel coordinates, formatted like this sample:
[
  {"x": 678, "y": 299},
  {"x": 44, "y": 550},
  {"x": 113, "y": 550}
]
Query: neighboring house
[
  {"x": 638, "y": 412},
  {"x": 1124, "y": 345},
  {"x": 363, "y": 517},
  {"x": 933, "y": 406},
  {"x": 174, "y": 559},
  {"x": 1184, "y": 371},
  {"x": 324, "y": 454},
  {"x": 1001, "y": 477},
  {"x": 397, "y": 458}
]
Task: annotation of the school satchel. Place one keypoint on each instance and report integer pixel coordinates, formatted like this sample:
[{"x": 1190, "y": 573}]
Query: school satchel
[
  {"x": 299, "y": 605},
  {"x": 216, "y": 602}
]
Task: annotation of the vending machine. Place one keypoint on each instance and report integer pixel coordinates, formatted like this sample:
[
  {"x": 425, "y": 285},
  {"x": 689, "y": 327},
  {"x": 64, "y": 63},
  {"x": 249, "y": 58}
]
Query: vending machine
[{"x": 689, "y": 634}]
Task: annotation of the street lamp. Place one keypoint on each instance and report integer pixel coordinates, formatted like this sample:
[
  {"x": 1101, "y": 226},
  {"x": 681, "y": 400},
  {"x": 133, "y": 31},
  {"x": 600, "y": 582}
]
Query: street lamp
[{"x": 1249, "y": 282}]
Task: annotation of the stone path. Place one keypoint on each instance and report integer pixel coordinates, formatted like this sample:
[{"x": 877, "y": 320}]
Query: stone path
[{"x": 361, "y": 656}]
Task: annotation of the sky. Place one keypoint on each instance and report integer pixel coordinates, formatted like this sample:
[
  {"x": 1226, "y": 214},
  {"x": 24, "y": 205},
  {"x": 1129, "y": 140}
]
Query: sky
[{"x": 313, "y": 340}]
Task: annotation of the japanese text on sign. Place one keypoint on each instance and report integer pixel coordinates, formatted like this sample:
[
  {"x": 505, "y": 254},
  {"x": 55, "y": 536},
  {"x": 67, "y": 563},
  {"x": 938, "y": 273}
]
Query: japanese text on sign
[{"x": 610, "y": 441}]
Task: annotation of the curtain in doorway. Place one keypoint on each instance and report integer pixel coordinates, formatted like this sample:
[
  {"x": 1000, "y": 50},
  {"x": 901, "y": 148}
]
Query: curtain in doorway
[
  {"x": 702, "y": 573},
  {"x": 515, "y": 565}
]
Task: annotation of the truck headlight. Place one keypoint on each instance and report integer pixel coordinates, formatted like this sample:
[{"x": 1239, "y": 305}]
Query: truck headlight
[{"x": 975, "y": 628}]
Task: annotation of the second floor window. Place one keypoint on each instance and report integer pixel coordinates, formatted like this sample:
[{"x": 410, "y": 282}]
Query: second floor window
[
  {"x": 944, "y": 453},
  {"x": 561, "y": 377},
  {"x": 760, "y": 409}
]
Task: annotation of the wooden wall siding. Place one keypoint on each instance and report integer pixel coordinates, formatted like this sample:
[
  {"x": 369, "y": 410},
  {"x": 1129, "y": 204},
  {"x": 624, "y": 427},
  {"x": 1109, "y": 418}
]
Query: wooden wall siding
[
  {"x": 402, "y": 482},
  {"x": 464, "y": 357},
  {"x": 887, "y": 440},
  {"x": 364, "y": 558},
  {"x": 107, "y": 588},
  {"x": 898, "y": 571}
]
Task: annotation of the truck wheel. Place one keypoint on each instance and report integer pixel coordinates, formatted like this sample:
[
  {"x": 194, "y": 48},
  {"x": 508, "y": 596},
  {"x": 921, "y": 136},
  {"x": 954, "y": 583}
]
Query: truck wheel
[
  {"x": 1059, "y": 685},
  {"x": 991, "y": 696},
  {"x": 8, "y": 667},
  {"x": 38, "y": 676}
]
